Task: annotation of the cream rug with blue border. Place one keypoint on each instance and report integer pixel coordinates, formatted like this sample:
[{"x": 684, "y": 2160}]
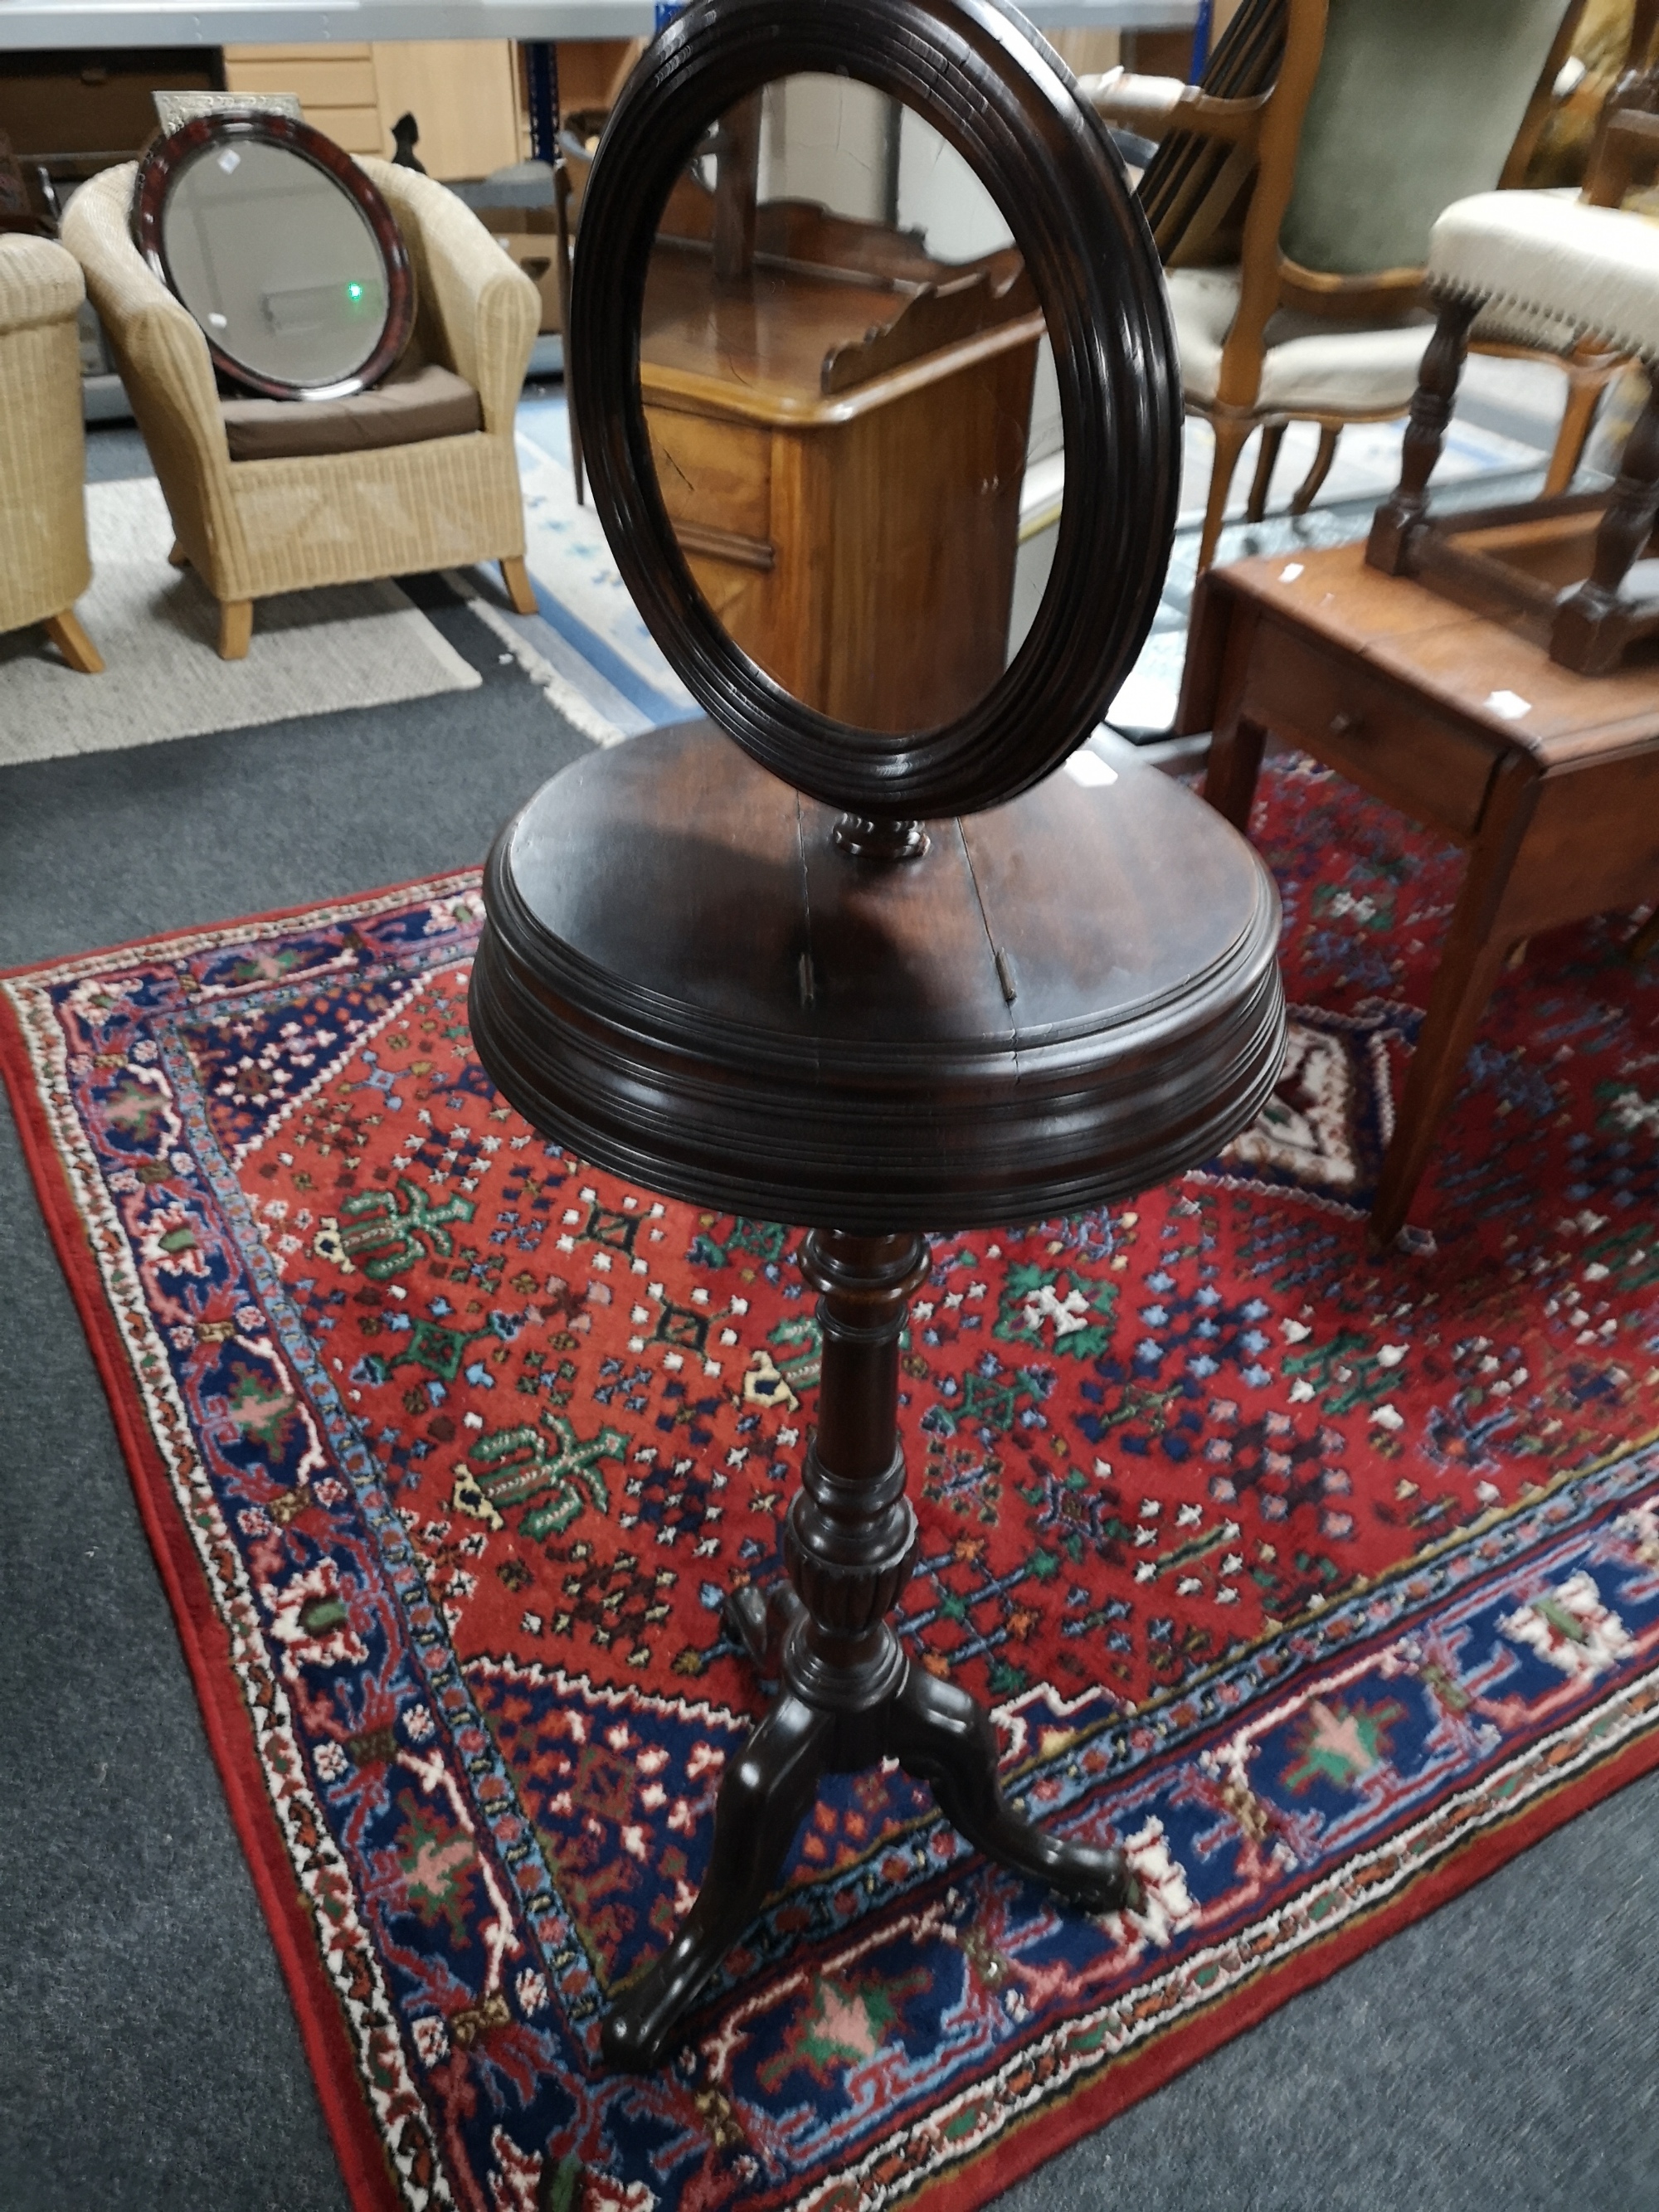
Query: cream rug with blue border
[{"x": 350, "y": 645}]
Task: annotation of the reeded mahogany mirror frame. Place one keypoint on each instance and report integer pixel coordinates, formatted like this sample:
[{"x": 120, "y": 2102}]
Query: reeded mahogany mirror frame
[
  {"x": 231, "y": 126},
  {"x": 1011, "y": 109}
]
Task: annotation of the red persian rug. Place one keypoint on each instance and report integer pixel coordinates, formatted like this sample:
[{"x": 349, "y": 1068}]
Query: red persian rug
[{"x": 1323, "y": 1583}]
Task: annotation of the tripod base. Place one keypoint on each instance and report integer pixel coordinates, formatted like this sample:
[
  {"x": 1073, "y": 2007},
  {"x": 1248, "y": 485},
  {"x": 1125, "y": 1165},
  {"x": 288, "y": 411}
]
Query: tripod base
[{"x": 938, "y": 1734}]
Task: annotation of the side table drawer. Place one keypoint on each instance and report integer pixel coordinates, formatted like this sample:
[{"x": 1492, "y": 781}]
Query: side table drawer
[{"x": 1369, "y": 728}]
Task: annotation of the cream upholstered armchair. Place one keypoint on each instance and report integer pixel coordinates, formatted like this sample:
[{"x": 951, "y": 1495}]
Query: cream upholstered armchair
[
  {"x": 1379, "y": 114},
  {"x": 255, "y": 527},
  {"x": 44, "y": 565}
]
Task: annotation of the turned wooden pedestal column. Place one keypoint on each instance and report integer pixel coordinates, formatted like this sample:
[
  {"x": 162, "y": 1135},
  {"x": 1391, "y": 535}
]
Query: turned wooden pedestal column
[
  {"x": 700, "y": 980},
  {"x": 850, "y": 1695}
]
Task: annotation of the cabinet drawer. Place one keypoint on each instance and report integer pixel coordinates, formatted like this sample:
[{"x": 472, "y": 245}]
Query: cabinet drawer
[
  {"x": 332, "y": 83},
  {"x": 1371, "y": 729},
  {"x": 713, "y": 474}
]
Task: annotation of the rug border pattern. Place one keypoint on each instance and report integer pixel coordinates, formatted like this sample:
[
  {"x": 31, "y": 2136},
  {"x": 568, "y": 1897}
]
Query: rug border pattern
[{"x": 119, "y": 1332}]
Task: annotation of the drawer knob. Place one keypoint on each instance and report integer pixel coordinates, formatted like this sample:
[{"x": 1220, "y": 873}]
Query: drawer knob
[{"x": 1345, "y": 725}]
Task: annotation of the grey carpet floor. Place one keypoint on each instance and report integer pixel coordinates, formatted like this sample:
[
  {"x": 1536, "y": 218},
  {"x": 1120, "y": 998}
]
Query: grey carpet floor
[{"x": 1504, "y": 2054}]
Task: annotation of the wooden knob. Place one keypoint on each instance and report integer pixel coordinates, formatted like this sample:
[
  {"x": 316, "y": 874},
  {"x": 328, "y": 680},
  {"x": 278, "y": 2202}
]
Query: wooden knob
[{"x": 1345, "y": 725}]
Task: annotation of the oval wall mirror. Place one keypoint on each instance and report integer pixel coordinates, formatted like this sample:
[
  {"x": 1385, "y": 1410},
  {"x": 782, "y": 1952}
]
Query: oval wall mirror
[
  {"x": 839, "y": 354},
  {"x": 873, "y": 371},
  {"x": 282, "y": 249}
]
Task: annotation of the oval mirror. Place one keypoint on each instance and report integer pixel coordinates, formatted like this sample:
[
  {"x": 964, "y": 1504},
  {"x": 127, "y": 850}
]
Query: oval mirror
[
  {"x": 282, "y": 251},
  {"x": 839, "y": 352},
  {"x": 873, "y": 372}
]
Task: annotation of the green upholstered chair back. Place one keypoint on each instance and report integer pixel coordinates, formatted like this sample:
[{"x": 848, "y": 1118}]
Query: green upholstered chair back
[{"x": 1416, "y": 105}]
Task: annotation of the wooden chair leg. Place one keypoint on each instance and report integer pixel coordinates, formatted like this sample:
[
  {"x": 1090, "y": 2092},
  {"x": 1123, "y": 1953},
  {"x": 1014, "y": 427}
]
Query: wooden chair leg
[
  {"x": 516, "y": 577},
  {"x": 235, "y": 629},
  {"x": 178, "y": 558},
  {"x": 1273, "y": 437},
  {"x": 72, "y": 642},
  {"x": 1588, "y": 636},
  {"x": 1387, "y": 547},
  {"x": 1584, "y": 389},
  {"x": 1314, "y": 483},
  {"x": 1230, "y": 438}
]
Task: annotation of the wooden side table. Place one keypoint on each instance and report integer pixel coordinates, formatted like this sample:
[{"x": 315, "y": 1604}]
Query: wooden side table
[{"x": 1550, "y": 779}]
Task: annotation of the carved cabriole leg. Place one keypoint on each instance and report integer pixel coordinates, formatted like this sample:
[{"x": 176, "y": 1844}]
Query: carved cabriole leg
[
  {"x": 1313, "y": 484},
  {"x": 1273, "y": 437},
  {"x": 1588, "y": 633},
  {"x": 764, "y": 1796},
  {"x": 940, "y": 1735},
  {"x": 1389, "y": 546},
  {"x": 850, "y": 1697},
  {"x": 1229, "y": 437}
]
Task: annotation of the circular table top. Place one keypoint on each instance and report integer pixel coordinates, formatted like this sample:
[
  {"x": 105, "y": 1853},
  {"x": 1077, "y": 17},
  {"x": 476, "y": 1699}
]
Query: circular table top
[{"x": 687, "y": 981}]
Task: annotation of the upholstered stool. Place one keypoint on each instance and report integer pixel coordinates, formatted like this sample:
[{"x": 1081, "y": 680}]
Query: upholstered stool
[{"x": 1539, "y": 269}]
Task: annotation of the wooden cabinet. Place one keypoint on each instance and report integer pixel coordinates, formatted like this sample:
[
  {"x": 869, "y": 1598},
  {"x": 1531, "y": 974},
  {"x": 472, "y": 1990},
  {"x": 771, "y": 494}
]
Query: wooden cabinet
[
  {"x": 840, "y": 438},
  {"x": 335, "y": 84},
  {"x": 464, "y": 93},
  {"x": 467, "y": 94}
]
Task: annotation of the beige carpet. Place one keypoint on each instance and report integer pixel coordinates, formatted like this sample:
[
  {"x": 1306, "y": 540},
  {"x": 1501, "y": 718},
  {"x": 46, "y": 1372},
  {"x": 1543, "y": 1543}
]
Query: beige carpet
[{"x": 352, "y": 645}]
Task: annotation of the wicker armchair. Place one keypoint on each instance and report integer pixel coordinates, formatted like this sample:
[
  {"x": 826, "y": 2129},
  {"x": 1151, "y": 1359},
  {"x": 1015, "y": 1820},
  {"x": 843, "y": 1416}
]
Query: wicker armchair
[
  {"x": 44, "y": 564},
  {"x": 252, "y": 528}
]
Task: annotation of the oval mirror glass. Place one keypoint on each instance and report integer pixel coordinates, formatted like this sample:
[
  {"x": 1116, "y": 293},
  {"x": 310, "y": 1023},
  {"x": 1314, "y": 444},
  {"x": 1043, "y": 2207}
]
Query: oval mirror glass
[
  {"x": 277, "y": 261},
  {"x": 849, "y": 394}
]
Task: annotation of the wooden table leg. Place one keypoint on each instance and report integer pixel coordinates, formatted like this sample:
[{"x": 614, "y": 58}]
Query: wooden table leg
[
  {"x": 1486, "y": 921},
  {"x": 1235, "y": 753},
  {"x": 1219, "y": 654},
  {"x": 1461, "y": 991}
]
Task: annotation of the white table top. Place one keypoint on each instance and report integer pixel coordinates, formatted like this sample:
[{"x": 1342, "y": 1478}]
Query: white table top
[{"x": 36, "y": 23}]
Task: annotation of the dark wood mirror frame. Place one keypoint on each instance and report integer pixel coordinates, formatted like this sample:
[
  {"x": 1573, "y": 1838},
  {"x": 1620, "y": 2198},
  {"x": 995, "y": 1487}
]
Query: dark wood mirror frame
[
  {"x": 168, "y": 157},
  {"x": 1008, "y": 105}
]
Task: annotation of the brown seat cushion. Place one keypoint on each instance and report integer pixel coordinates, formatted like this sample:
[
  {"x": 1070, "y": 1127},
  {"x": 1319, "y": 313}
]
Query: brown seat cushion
[{"x": 410, "y": 407}]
